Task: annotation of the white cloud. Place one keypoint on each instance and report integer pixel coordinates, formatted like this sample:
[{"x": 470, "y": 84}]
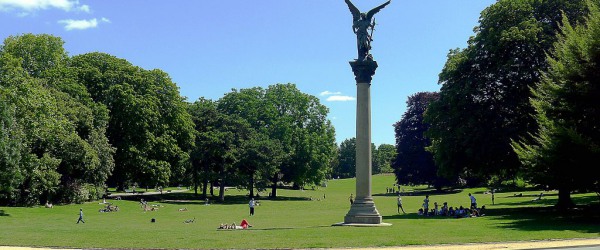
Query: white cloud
[
  {"x": 340, "y": 98},
  {"x": 34, "y": 5},
  {"x": 327, "y": 92},
  {"x": 85, "y": 8},
  {"x": 71, "y": 24}
]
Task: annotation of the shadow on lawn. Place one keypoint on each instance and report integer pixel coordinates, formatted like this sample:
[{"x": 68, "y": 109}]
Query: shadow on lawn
[
  {"x": 582, "y": 218},
  {"x": 544, "y": 216},
  {"x": 191, "y": 198},
  {"x": 2, "y": 213},
  {"x": 422, "y": 192}
]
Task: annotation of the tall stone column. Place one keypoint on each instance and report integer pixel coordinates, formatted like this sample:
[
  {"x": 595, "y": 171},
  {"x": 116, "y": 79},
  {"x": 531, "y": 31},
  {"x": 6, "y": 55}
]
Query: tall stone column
[{"x": 363, "y": 209}]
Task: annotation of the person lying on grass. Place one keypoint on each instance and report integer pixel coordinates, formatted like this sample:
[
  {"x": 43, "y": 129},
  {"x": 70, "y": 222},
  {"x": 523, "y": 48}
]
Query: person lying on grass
[{"x": 243, "y": 225}]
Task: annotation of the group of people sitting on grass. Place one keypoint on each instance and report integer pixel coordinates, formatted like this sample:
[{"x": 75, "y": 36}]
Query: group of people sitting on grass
[
  {"x": 243, "y": 225},
  {"x": 457, "y": 212}
]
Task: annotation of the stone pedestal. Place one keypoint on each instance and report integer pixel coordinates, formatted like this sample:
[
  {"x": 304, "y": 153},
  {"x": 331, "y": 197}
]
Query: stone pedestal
[{"x": 363, "y": 211}]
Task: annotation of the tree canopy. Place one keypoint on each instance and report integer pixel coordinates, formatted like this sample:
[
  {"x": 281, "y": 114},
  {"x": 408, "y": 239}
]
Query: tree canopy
[
  {"x": 563, "y": 150},
  {"x": 485, "y": 88}
]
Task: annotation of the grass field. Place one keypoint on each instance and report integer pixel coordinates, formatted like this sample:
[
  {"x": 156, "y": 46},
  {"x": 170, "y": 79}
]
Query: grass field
[{"x": 295, "y": 221}]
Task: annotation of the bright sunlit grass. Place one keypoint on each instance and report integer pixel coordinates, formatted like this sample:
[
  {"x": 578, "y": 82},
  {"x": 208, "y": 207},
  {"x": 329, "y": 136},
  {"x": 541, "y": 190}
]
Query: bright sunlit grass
[{"x": 294, "y": 221}]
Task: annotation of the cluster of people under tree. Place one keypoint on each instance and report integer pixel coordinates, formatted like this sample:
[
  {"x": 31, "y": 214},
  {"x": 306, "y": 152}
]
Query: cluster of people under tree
[{"x": 445, "y": 210}]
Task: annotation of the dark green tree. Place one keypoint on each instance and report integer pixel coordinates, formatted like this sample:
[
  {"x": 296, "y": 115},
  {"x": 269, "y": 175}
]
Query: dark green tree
[
  {"x": 485, "y": 92},
  {"x": 563, "y": 151},
  {"x": 414, "y": 165}
]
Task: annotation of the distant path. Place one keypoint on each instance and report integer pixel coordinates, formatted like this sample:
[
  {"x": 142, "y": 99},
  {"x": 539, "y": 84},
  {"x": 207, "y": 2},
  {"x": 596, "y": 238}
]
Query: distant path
[
  {"x": 563, "y": 244},
  {"x": 113, "y": 195}
]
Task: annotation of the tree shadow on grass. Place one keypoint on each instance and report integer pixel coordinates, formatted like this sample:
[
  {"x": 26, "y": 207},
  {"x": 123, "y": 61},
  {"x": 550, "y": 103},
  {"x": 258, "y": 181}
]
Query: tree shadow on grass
[
  {"x": 415, "y": 216},
  {"x": 422, "y": 192},
  {"x": 2, "y": 213},
  {"x": 191, "y": 198},
  {"x": 583, "y": 219}
]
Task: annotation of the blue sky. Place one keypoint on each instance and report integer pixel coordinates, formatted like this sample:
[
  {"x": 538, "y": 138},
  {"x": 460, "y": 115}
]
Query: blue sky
[{"x": 211, "y": 47}]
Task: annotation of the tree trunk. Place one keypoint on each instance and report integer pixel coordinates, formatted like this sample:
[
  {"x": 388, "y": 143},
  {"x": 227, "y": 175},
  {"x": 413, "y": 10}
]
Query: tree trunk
[
  {"x": 251, "y": 187},
  {"x": 564, "y": 198},
  {"x": 204, "y": 187},
  {"x": 222, "y": 192},
  {"x": 274, "y": 187},
  {"x": 222, "y": 186},
  {"x": 212, "y": 189}
]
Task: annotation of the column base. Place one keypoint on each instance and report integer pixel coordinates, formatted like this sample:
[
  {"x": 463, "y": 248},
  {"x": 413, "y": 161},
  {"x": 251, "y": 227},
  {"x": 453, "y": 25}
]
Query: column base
[{"x": 363, "y": 211}]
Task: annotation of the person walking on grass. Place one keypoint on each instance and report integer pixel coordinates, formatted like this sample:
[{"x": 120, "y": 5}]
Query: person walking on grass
[
  {"x": 400, "y": 204},
  {"x": 473, "y": 201},
  {"x": 251, "y": 204},
  {"x": 80, "y": 216}
]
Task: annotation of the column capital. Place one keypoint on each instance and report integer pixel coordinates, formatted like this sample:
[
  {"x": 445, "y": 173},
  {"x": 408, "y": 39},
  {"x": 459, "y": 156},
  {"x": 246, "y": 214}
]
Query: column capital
[{"x": 363, "y": 70}]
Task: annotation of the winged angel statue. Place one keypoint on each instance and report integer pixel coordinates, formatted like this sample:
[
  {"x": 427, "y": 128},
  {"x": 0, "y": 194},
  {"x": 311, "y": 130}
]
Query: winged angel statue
[{"x": 362, "y": 23}]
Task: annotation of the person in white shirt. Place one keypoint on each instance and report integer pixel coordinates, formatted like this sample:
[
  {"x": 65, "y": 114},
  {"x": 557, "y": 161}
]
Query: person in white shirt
[
  {"x": 400, "y": 204},
  {"x": 251, "y": 204},
  {"x": 473, "y": 201}
]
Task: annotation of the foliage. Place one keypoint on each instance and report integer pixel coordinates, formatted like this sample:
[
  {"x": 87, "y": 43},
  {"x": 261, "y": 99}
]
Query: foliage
[
  {"x": 383, "y": 157},
  {"x": 484, "y": 97},
  {"x": 282, "y": 115},
  {"x": 149, "y": 124},
  {"x": 563, "y": 151},
  {"x": 346, "y": 167},
  {"x": 57, "y": 135},
  {"x": 413, "y": 164}
]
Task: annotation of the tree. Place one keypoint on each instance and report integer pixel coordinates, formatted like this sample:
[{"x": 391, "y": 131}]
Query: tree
[
  {"x": 346, "y": 167},
  {"x": 414, "y": 165},
  {"x": 383, "y": 158},
  {"x": 484, "y": 97},
  {"x": 563, "y": 151},
  {"x": 58, "y": 129},
  {"x": 297, "y": 121},
  {"x": 149, "y": 124}
]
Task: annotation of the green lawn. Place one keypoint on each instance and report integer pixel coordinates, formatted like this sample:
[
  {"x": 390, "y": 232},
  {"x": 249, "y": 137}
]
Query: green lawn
[{"x": 294, "y": 221}]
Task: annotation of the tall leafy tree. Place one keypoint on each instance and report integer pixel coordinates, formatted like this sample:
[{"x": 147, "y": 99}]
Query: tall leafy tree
[
  {"x": 295, "y": 120},
  {"x": 301, "y": 125},
  {"x": 414, "y": 165},
  {"x": 562, "y": 154},
  {"x": 65, "y": 155},
  {"x": 484, "y": 97},
  {"x": 149, "y": 124}
]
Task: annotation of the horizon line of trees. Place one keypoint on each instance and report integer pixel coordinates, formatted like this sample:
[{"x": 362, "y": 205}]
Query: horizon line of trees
[{"x": 520, "y": 102}]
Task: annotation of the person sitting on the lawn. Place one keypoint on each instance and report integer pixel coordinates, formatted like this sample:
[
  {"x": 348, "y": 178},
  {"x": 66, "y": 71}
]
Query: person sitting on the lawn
[
  {"x": 451, "y": 211},
  {"x": 444, "y": 210},
  {"x": 481, "y": 211},
  {"x": 420, "y": 212}
]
